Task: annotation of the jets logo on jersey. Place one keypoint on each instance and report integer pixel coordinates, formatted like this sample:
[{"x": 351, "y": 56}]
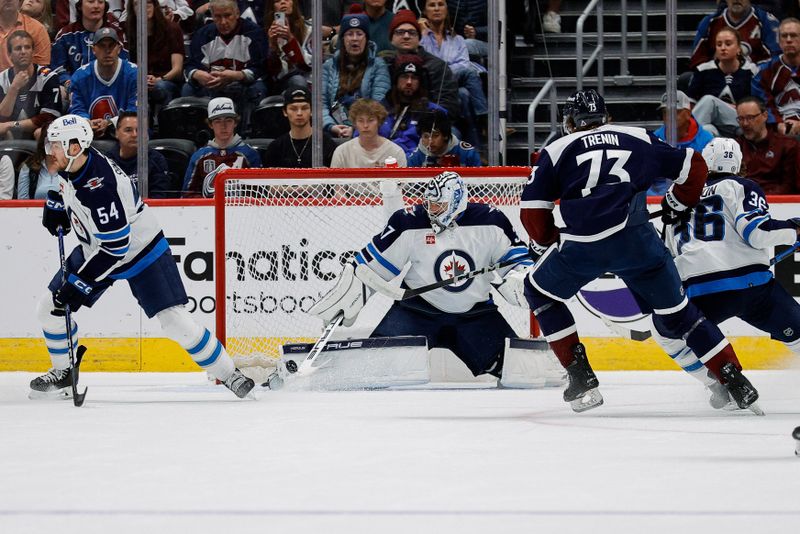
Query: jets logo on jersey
[
  {"x": 93, "y": 183},
  {"x": 453, "y": 263}
]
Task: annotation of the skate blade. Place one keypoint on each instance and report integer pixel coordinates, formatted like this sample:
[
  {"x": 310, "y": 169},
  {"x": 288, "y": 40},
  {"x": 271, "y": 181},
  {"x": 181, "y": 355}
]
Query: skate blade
[
  {"x": 591, "y": 399},
  {"x": 756, "y": 409},
  {"x": 56, "y": 394}
]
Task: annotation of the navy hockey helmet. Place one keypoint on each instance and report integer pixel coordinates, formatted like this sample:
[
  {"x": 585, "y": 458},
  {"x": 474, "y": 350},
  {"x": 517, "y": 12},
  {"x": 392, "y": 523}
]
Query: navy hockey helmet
[{"x": 582, "y": 110}]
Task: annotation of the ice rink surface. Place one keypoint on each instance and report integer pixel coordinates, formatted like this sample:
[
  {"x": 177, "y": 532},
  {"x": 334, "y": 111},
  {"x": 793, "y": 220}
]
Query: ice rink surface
[{"x": 172, "y": 453}]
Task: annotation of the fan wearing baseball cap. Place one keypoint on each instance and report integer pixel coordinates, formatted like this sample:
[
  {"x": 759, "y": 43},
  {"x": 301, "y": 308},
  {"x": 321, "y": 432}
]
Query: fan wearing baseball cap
[
  {"x": 690, "y": 133},
  {"x": 105, "y": 86},
  {"x": 293, "y": 149},
  {"x": 407, "y": 102},
  {"x": 225, "y": 151},
  {"x": 405, "y": 33},
  {"x": 352, "y": 73}
]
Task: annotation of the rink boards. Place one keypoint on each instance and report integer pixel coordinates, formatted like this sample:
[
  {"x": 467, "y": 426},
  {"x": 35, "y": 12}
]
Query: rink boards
[{"x": 121, "y": 338}]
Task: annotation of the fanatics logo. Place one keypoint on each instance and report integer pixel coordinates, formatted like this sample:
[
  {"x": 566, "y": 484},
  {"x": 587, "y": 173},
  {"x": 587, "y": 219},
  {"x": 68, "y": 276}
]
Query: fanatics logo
[
  {"x": 93, "y": 183},
  {"x": 769, "y": 154},
  {"x": 430, "y": 239}
]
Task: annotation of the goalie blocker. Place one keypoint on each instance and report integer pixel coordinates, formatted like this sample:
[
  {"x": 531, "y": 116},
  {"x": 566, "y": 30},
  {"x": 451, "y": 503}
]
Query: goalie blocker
[{"x": 384, "y": 362}]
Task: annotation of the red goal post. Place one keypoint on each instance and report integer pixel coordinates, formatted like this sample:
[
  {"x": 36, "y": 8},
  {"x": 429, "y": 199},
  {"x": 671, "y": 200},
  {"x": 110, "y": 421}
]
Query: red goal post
[{"x": 283, "y": 234}]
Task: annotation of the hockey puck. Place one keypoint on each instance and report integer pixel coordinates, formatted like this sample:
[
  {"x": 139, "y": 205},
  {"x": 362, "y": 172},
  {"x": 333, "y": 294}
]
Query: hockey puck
[
  {"x": 291, "y": 366},
  {"x": 796, "y": 436}
]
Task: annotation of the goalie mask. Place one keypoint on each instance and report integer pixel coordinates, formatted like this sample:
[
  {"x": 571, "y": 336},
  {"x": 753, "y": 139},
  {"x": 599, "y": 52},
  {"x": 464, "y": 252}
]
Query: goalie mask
[
  {"x": 67, "y": 130},
  {"x": 583, "y": 110},
  {"x": 445, "y": 199},
  {"x": 723, "y": 155}
]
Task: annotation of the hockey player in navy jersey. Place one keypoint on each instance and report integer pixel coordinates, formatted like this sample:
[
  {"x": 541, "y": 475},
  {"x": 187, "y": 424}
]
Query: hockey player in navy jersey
[
  {"x": 601, "y": 173},
  {"x": 119, "y": 239},
  {"x": 722, "y": 255},
  {"x": 445, "y": 235}
]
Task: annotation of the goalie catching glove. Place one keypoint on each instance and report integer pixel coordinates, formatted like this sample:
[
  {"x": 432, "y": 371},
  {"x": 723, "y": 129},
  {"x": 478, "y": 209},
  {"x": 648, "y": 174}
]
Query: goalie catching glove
[
  {"x": 347, "y": 297},
  {"x": 513, "y": 288}
]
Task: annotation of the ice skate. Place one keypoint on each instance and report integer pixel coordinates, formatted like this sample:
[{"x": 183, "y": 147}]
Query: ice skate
[
  {"x": 239, "y": 384},
  {"x": 55, "y": 383},
  {"x": 740, "y": 388},
  {"x": 582, "y": 393}
]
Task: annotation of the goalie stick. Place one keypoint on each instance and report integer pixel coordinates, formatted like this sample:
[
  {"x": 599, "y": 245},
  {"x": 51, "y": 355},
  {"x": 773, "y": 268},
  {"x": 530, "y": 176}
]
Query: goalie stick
[
  {"x": 74, "y": 357},
  {"x": 275, "y": 379}
]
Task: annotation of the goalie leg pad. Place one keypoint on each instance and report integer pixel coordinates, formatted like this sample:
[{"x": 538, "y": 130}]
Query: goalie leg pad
[
  {"x": 530, "y": 364},
  {"x": 54, "y": 328},
  {"x": 371, "y": 363},
  {"x": 347, "y": 297},
  {"x": 202, "y": 346}
]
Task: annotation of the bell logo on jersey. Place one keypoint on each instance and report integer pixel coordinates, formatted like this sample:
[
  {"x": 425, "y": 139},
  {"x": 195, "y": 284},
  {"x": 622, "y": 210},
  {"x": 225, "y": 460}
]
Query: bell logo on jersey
[
  {"x": 453, "y": 263},
  {"x": 430, "y": 239},
  {"x": 93, "y": 183}
]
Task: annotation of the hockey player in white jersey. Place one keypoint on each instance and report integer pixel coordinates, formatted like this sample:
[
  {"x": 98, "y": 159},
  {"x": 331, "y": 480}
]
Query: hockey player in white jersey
[
  {"x": 723, "y": 258},
  {"x": 119, "y": 239},
  {"x": 444, "y": 236}
]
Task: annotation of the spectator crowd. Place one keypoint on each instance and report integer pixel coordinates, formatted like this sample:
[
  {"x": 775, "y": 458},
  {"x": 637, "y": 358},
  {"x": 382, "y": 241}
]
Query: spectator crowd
[
  {"x": 229, "y": 85},
  {"x": 744, "y": 84}
]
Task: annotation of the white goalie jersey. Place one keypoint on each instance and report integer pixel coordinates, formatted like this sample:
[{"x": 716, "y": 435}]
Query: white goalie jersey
[
  {"x": 483, "y": 236},
  {"x": 726, "y": 244},
  {"x": 114, "y": 227}
]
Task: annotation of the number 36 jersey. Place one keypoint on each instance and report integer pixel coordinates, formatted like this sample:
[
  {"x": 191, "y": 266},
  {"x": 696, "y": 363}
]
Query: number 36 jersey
[
  {"x": 602, "y": 176},
  {"x": 114, "y": 227},
  {"x": 726, "y": 244}
]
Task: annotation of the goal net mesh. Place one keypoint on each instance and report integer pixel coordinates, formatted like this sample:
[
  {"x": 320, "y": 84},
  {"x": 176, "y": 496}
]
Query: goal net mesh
[{"x": 285, "y": 235}]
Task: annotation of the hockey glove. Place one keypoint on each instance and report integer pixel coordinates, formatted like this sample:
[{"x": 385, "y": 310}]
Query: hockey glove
[
  {"x": 55, "y": 214},
  {"x": 73, "y": 292},
  {"x": 513, "y": 288},
  {"x": 673, "y": 212},
  {"x": 347, "y": 297}
]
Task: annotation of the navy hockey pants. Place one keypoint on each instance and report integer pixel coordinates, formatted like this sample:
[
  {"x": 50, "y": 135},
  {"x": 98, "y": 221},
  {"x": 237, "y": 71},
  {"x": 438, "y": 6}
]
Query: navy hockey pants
[
  {"x": 768, "y": 307},
  {"x": 477, "y": 337}
]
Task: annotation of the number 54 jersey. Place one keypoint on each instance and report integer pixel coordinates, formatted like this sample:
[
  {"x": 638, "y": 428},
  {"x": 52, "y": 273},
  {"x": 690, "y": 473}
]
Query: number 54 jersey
[
  {"x": 602, "y": 176},
  {"x": 114, "y": 227}
]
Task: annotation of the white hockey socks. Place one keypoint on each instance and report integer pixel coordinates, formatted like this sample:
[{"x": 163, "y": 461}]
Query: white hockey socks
[
  {"x": 679, "y": 351},
  {"x": 201, "y": 345},
  {"x": 54, "y": 328}
]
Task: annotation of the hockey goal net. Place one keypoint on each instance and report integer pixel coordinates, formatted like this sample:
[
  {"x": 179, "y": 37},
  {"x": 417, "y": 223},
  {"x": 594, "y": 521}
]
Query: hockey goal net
[{"x": 283, "y": 235}]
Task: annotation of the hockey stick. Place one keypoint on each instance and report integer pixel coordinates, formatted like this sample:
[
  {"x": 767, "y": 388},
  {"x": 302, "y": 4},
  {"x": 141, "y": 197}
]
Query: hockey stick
[
  {"x": 305, "y": 366},
  {"x": 74, "y": 358},
  {"x": 374, "y": 281},
  {"x": 785, "y": 254}
]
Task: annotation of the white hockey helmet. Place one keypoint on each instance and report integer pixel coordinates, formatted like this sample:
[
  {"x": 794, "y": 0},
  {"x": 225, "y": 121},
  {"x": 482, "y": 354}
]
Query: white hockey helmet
[
  {"x": 723, "y": 155},
  {"x": 445, "y": 188},
  {"x": 70, "y": 129}
]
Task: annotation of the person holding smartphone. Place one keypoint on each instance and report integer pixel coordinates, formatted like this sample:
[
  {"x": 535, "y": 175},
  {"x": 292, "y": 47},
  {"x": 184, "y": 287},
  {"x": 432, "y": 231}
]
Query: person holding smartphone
[{"x": 289, "y": 58}]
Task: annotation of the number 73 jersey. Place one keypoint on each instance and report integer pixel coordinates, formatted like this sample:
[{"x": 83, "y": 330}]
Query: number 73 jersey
[{"x": 602, "y": 177}]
